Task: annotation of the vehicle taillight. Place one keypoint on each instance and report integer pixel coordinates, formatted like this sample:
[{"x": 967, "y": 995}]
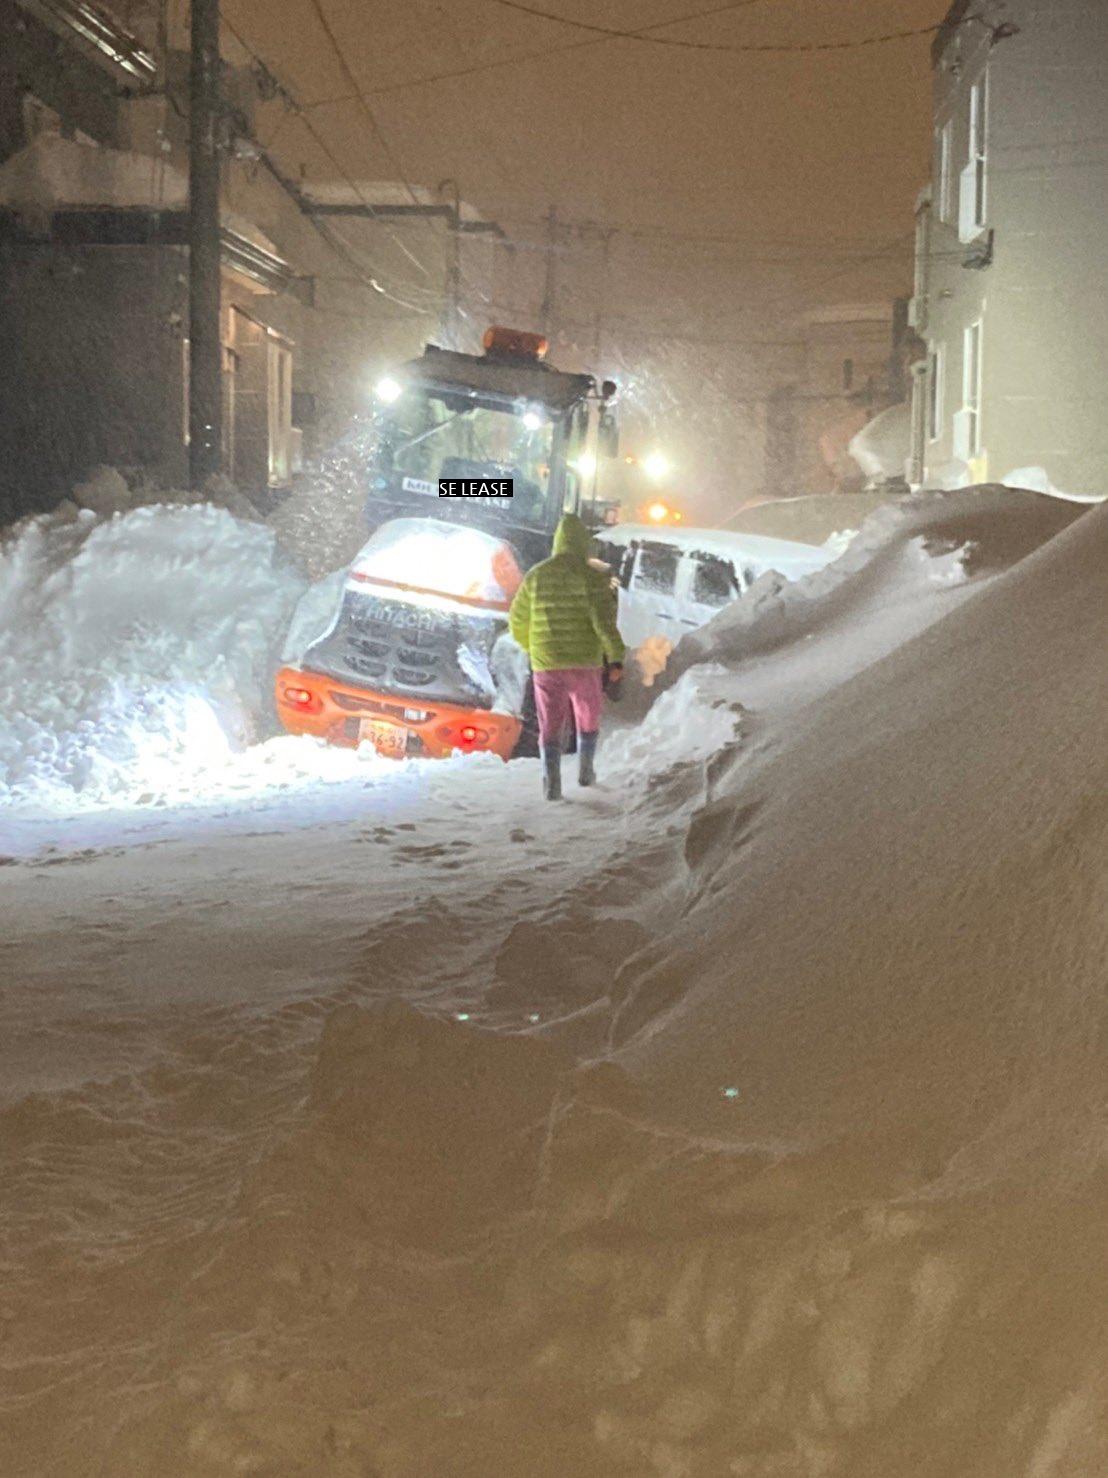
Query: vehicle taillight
[
  {"x": 300, "y": 698},
  {"x": 465, "y": 736}
]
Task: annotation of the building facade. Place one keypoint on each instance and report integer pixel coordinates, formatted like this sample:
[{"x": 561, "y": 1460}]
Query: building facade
[
  {"x": 1012, "y": 252},
  {"x": 324, "y": 283}
]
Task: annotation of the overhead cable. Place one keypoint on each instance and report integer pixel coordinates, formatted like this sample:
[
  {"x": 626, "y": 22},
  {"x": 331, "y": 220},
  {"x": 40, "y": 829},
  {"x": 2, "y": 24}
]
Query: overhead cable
[
  {"x": 294, "y": 105},
  {"x": 549, "y": 51},
  {"x": 798, "y": 47},
  {"x": 358, "y": 94}
]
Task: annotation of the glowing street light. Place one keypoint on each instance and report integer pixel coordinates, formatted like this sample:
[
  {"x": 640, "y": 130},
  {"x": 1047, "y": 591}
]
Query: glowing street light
[
  {"x": 657, "y": 512},
  {"x": 656, "y": 466},
  {"x": 388, "y": 390}
]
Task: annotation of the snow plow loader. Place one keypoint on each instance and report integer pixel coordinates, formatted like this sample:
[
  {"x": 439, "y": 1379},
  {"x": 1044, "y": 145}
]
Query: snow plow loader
[{"x": 413, "y": 654}]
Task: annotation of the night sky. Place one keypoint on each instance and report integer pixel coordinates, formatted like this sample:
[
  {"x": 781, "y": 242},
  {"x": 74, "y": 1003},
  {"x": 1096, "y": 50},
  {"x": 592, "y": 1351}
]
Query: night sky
[{"x": 824, "y": 148}]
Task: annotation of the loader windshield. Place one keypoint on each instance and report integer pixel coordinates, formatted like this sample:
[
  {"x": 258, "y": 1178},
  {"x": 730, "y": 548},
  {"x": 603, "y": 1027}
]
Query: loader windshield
[{"x": 427, "y": 436}]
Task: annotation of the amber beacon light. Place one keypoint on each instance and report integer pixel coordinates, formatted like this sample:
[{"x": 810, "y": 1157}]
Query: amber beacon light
[{"x": 514, "y": 343}]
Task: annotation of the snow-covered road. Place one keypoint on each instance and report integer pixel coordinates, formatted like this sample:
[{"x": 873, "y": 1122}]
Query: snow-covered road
[{"x": 207, "y": 1274}]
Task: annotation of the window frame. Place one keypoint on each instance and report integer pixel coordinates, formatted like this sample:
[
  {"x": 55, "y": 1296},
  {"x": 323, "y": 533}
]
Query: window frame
[
  {"x": 945, "y": 134},
  {"x": 973, "y": 340},
  {"x": 700, "y": 557},
  {"x": 646, "y": 549},
  {"x": 936, "y": 406},
  {"x": 979, "y": 148}
]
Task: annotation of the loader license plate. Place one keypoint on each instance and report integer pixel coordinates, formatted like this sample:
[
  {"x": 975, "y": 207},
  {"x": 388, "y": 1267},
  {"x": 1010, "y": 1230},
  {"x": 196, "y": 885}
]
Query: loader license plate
[{"x": 387, "y": 739}]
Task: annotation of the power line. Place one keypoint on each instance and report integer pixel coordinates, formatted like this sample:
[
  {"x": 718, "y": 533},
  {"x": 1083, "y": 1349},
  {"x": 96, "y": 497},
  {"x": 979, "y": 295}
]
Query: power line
[
  {"x": 757, "y": 47},
  {"x": 295, "y": 106},
  {"x": 529, "y": 56},
  {"x": 340, "y": 249},
  {"x": 361, "y": 98}
]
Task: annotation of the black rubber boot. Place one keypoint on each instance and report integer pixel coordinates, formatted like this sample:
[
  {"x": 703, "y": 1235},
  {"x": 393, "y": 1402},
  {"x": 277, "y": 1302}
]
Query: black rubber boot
[
  {"x": 551, "y": 772},
  {"x": 586, "y": 758}
]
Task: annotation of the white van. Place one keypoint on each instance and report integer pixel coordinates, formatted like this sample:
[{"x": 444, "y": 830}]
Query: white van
[{"x": 674, "y": 580}]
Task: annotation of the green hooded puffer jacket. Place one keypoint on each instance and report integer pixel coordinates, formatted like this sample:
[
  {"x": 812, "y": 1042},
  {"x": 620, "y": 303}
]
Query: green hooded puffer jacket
[{"x": 564, "y": 613}]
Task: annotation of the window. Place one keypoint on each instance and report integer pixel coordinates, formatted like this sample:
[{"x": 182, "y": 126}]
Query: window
[
  {"x": 619, "y": 559},
  {"x": 978, "y": 134},
  {"x": 935, "y": 368},
  {"x": 430, "y": 433},
  {"x": 657, "y": 569},
  {"x": 973, "y": 202},
  {"x": 971, "y": 391},
  {"x": 713, "y": 581},
  {"x": 279, "y": 411},
  {"x": 945, "y": 171},
  {"x": 919, "y": 308},
  {"x": 921, "y": 389}
]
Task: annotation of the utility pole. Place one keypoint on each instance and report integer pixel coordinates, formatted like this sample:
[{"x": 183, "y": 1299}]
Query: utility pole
[
  {"x": 546, "y": 312},
  {"x": 205, "y": 350},
  {"x": 452, "y": 308},
  {"x": 602, "y": 295}
]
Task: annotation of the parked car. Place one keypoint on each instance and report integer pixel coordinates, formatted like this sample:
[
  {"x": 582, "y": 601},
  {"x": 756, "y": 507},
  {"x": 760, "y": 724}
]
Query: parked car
[{"x": 674, "y": 580}]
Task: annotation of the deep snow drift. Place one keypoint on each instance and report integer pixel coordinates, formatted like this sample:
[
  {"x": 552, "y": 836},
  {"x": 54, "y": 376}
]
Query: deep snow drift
[
  {"x": 752, "y": 1124},
  {"x": 134, "y": 651}
]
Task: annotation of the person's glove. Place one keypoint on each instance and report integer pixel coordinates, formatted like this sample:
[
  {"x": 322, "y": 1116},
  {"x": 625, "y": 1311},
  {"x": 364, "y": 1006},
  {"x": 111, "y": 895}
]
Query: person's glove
[{"x": 615, "y": 672}]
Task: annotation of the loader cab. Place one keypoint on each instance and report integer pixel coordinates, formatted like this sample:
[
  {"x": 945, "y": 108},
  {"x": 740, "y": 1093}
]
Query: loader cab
[{"x": 504, "y": 414}]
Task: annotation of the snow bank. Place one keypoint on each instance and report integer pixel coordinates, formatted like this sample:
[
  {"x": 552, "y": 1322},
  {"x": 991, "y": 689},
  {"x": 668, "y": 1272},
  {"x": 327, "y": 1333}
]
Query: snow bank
[
  {"x": 133, "y": 651},
  {"x": 928, "y": 538},
  {"x": 1037, "y": 480},
  {"x": 829, "y": 1204}
]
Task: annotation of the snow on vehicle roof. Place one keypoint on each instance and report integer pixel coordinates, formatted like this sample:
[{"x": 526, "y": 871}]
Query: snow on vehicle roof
[{"x": 723, "y": 544}]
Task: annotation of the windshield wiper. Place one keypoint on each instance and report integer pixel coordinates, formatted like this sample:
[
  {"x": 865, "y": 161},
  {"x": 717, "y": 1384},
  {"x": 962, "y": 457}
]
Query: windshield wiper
[{"x": 423, "y": 435}]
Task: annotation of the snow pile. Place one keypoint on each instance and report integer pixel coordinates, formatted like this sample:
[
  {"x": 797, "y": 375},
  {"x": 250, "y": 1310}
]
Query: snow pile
[
  {"x": 827, "y": 1202},
  {"x": 831, "y": 1207},
  {"x": 106, "y": 491},
  {"x": 1037, "y": 480},
  {"x": 929, "y": 539},
  {"x": 134, "y": 652},
  {"x": 693, "y": 721}
]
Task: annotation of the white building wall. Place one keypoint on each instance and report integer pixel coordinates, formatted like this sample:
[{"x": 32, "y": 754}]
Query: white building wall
[{"x": 1043, "y": 300}]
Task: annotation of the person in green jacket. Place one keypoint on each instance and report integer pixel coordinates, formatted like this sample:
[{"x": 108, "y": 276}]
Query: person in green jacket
[{"x": 564, "y": 618}]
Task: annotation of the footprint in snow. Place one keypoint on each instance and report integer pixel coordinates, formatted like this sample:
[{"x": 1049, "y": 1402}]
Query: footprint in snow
[{"x": 433, "y": 850}]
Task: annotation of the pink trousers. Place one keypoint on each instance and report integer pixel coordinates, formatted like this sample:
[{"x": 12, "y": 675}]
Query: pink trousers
[{"x": 566, "y": 692}]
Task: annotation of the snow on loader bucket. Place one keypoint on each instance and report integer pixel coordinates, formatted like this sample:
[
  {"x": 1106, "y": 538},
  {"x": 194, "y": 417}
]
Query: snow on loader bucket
[{"x": 415, "y": 660}]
